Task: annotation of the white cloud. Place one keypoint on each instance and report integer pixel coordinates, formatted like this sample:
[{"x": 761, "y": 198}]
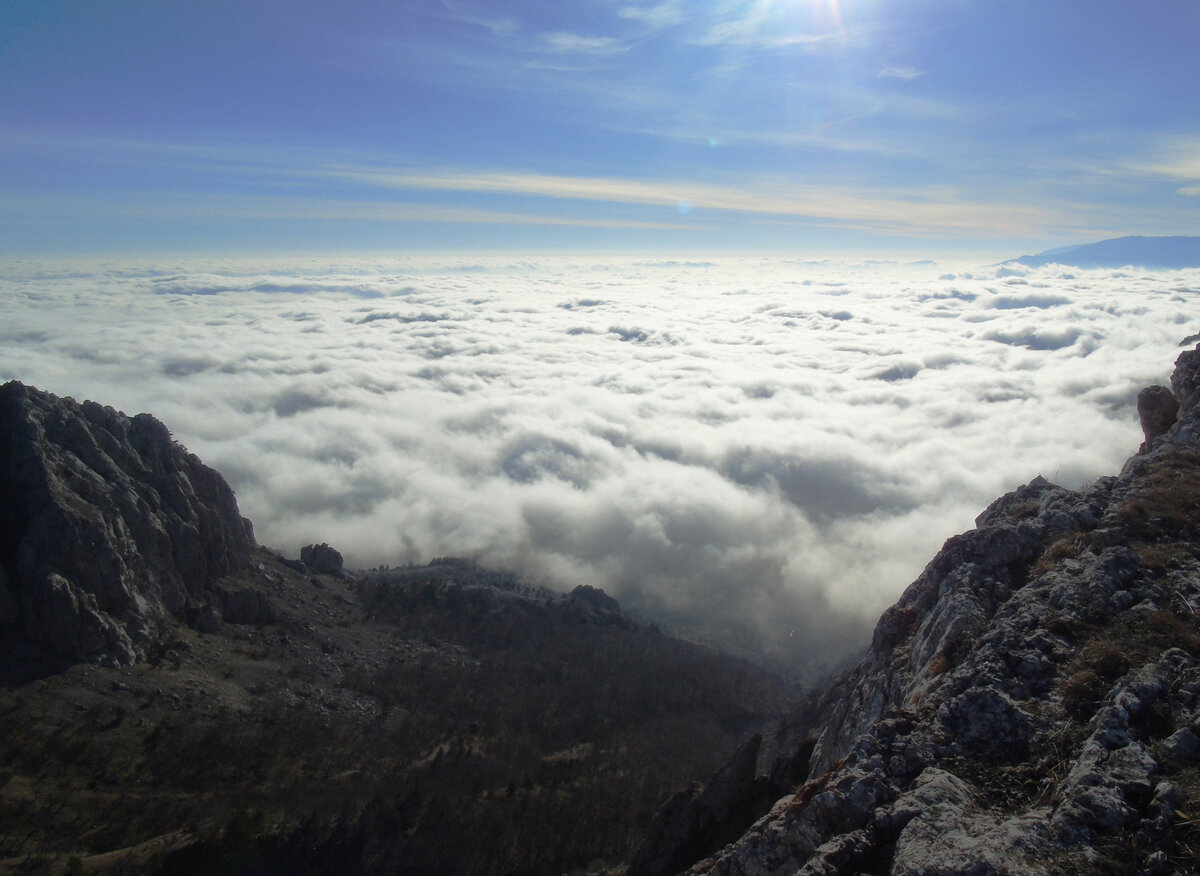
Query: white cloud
[
  {"x": 657, "y": 16},
  {"x": 574, "y": 43},
  {"x": 905, "y": 73},
  {"x": 761, "y": 444},
  {"x": 896, "y": 211},
  {"x": 1177, "y": 157}
]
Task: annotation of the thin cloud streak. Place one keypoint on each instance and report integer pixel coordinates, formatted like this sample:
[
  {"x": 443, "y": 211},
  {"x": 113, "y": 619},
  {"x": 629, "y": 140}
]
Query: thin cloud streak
[
  {"x": 905, "y": 73},
  {"x": 889, "y": 211},
  {"x": 918, "y": 213},
  {"x": 183, "y": 205},
  {"x": 335, "y": 185},
  {"x": 659, "y": 16}
]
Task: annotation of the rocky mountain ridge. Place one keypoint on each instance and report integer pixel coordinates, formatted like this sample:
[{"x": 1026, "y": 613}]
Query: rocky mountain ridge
[
  {"x": 1031, "y": 703},
  {"x": 108, "y": 529}
]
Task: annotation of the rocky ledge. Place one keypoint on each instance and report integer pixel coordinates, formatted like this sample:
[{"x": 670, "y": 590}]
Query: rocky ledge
[
  {"x": 108, "y": 528},
  {"x": 1030, "y": 705}
]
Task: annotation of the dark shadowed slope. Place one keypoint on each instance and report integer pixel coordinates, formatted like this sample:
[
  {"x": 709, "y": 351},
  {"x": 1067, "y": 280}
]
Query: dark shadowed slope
[{"x": 1163, "y": 253}]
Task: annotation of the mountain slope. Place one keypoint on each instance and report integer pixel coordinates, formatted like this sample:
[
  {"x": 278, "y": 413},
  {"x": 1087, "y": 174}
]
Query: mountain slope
[
  {"x": 1163, "y": 253},
  {"x": 1031, "y": 704},
  {"x": 175, "y": 699}
]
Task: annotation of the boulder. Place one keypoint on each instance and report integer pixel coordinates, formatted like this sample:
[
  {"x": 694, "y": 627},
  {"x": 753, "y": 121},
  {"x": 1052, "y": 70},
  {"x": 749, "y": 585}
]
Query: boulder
[
  {"x": 321, "y": 558},
  {"x": 1157, "y": 409},
  {"x": 246, "y": 606}
]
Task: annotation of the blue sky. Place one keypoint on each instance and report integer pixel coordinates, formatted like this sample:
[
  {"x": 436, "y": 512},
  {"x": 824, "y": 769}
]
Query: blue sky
[{"x": 810, "y": 126}]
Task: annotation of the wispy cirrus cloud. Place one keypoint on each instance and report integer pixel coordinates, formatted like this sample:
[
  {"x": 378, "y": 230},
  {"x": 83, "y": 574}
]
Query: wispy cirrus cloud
[
  {"x": 499, "y": 27},
  {"x": 1175, "y": 157},
  {"x": 266, "y": 182},
  {"x": 751, "y": 34},
  {"x": 574, "y": 43},
  {"x": 905, "y": 73},
  {"x": 913, "y": 211},
  {"x": 657, "y": 15},
  {"x": 190, "y": 205}
]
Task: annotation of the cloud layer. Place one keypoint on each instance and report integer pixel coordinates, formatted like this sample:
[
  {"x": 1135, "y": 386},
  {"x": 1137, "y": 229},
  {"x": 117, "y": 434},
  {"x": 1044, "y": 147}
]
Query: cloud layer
[{"x": 763, "y": 450}]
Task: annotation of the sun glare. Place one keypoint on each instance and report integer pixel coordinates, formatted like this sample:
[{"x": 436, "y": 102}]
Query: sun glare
[{"x": 819, "y": 13}]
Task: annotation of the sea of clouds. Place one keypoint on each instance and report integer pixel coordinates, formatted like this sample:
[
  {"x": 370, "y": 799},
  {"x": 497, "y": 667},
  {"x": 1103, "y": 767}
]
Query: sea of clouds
[{"x": 760, "y": 451}]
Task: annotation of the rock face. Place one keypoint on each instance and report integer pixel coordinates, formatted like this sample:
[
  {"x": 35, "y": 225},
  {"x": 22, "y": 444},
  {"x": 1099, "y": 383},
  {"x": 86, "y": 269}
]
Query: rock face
[
  {"x": 107, "y": 528},
  {"x": 321, "y": 558},
  {"x": 1031, "y": 704}
]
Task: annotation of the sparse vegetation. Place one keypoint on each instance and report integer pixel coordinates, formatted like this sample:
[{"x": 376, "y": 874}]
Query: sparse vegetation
[
  {"x": 938, "y": 665},
  {"x": 1067, "y": 547},
  {"x": 469, "y": 706},
  {"x": 1167, "y": 499}
]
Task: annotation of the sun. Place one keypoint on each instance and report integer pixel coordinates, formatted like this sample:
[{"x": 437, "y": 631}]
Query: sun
[{"x": 812, "y": 15}]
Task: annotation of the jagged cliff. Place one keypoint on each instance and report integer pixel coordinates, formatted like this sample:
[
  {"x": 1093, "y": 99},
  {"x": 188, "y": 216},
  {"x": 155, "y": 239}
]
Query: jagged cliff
[
  {"x": 108, "y": 528},
  {"x": 1031, "y": 704}
]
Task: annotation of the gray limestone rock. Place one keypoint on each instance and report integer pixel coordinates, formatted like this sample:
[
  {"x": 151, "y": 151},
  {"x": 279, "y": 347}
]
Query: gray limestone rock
[
  {"x": 1158, "y": 410},
  {"x": 1031, "y": 704},
  {"x": 246, "y": 606},
  {"x": 109, "y": 527},
  {"x": 1185, "y": 382}
]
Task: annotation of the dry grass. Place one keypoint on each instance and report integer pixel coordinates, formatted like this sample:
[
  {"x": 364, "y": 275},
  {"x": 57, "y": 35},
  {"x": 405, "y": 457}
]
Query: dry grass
[
  {"x": 1128, "y": 643},
  {"x": 1169, "y": 495},
  {"x": 1023, "y": 509},
  {"x": 1163, "y": 555},
  {"x": 938, "y": 665},
  {"x": 1067, "y": 547}
]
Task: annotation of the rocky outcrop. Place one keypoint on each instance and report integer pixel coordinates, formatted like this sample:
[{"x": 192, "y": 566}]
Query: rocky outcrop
[
  {"x": 108, "y": 527},
  {"x": 321, "y": 559},
  {"x": 588, "y": 604},
  {"x": 1158, "y": 410},
  {"x": 1031, "y": 704}
]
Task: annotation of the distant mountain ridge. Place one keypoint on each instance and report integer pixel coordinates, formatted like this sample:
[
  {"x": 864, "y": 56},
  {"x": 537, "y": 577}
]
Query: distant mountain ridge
[{"x": 1164, "y": 253}]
